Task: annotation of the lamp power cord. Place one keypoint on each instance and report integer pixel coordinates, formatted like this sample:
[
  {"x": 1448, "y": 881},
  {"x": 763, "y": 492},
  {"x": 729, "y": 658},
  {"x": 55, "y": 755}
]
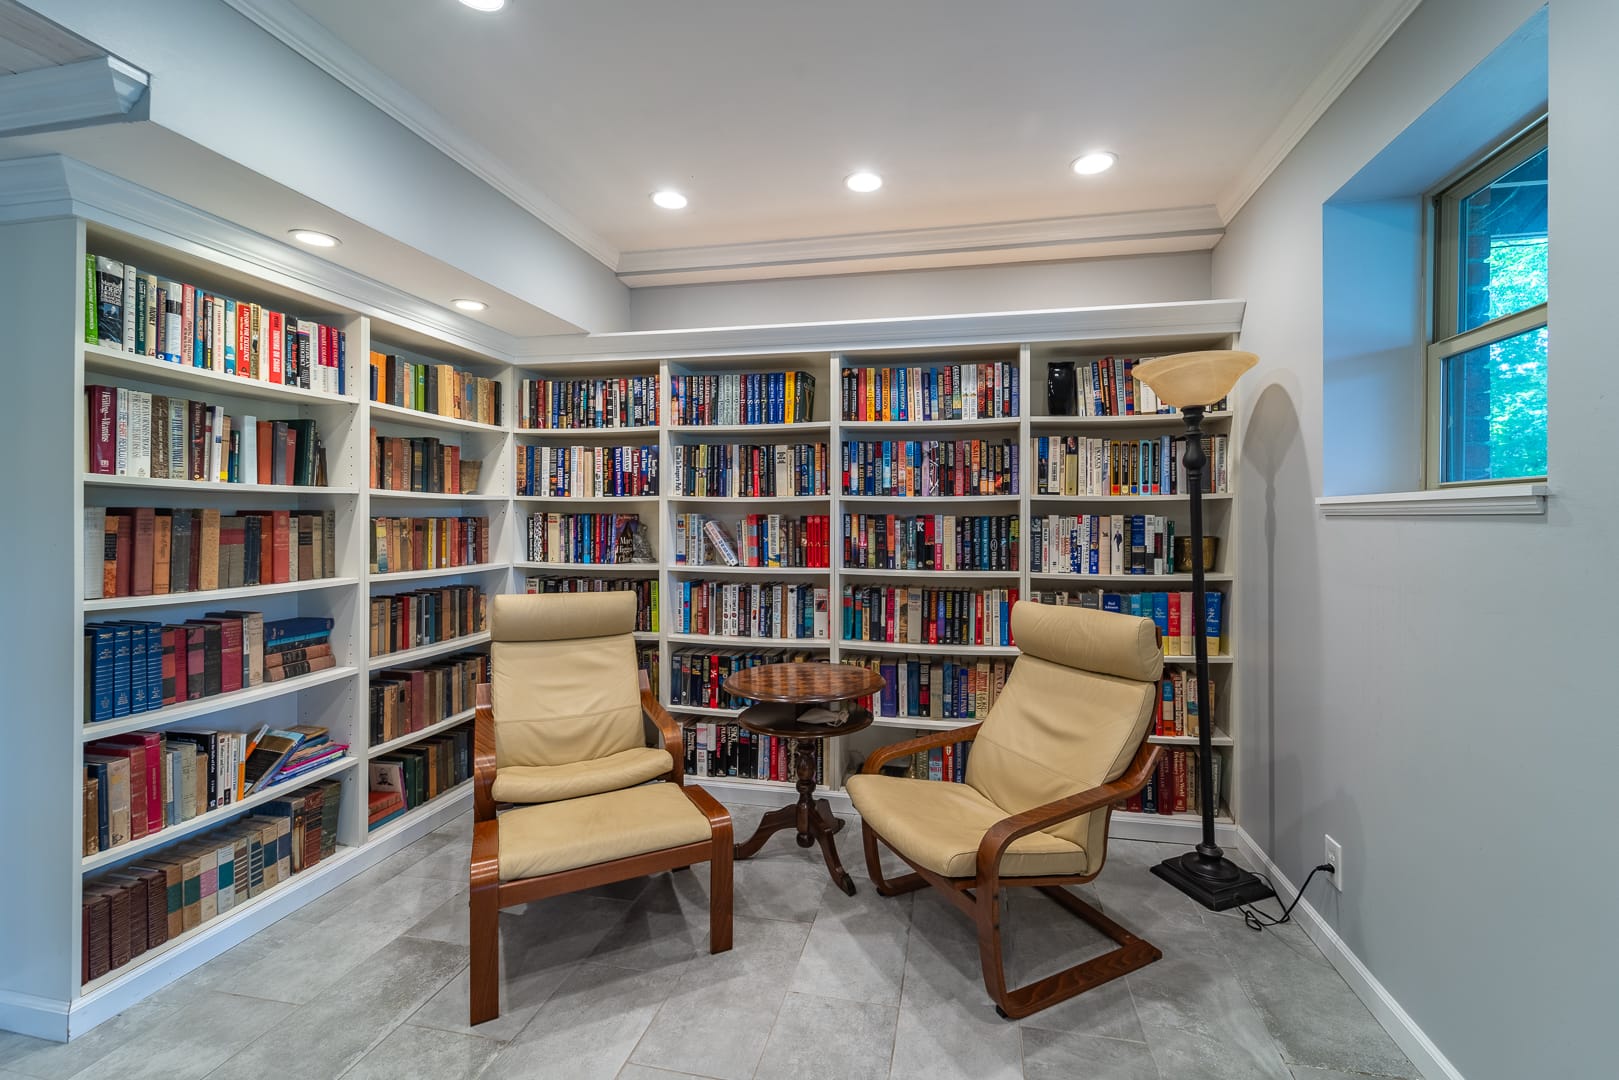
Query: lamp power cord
[{"x": 1257, "y": 920}]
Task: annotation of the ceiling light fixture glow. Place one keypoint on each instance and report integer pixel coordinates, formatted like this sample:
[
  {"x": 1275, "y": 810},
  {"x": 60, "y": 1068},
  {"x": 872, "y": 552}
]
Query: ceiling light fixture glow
[
  {"x": 863, "y": 181},
  {"x": 484, "y": 5},
  {"x": 314, "y": 238},
  {"x": 470, "y": 305},
  {"x": 1091, "y": 164},
  {"x": 669, "y": 200}
]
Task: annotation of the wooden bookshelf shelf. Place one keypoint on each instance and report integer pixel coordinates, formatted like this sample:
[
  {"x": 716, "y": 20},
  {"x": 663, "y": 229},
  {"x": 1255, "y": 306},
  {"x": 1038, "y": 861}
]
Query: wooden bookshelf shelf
[
  {"x": 895, "y": 502},
  {"x": 1149, "y": 582},
  {"x": 406, "y": 657},
  {"x": 895, "y": 429},
  {"x": 709, "y": 570},
  {"x": 382, "y": 495},
  {"x": 213, "y": 596},
  {"x": 394, "y": 576},
  {"x": 600, "y": 569},
  {"x": 1216, "y": 658},
  {"x": 575, "y": 500},
  {"x": 920, "y": 723},
  {"x": 459, "y": 793},
  {"x": 427, "y": 732},
  {"x": 1218, "y": 738},
  {"x": 211, "y": 487},
  {"x": 703, "y": 710},
  {"x": 591, "y": 436},
  {"x": 1045, "y": 425},
  {"x": 751, "y": 432},
  {"x": 1168, "y": 500},
  {"x": 727, "y": 642},
  {"x": 118, "y": 364},
  {"x": 748, "y": 500},
  {"x": 862, "y": 573},
  {"x": 394, "y": 414},
  {"x": 180, "y": 712},
  {"x": 847, "y": 646}
]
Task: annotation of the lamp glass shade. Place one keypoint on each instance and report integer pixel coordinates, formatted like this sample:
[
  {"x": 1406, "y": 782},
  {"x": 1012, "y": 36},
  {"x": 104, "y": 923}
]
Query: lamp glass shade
[{"x": 1194, "y": 378}]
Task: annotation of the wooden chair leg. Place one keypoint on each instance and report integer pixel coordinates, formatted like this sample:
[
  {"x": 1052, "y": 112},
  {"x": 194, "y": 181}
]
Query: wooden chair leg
[
  {"x": 719, "y": 889},
  {"x": 874, "y": 868},
  {"x": 483, "y": 912}
]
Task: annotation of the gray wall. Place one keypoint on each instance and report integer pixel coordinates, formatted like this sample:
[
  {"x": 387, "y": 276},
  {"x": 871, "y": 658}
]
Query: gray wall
[{"x": 1432, "y": 692}]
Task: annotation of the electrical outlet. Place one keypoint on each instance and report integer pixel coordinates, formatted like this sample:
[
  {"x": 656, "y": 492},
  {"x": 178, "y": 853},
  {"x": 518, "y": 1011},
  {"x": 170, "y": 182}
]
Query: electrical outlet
[{"x": 1335, "y": 856}]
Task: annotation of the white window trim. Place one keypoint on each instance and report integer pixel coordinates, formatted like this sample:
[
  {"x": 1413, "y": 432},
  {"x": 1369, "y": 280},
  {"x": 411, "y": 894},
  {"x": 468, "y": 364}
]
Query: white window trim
[{"x": 1513, "y": 497}]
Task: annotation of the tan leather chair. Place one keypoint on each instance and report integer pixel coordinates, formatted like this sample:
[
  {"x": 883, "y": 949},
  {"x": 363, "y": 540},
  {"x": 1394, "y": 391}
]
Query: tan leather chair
[
  {"x": 1065, "y": 740},
  {"x": 560, "y": 734}
]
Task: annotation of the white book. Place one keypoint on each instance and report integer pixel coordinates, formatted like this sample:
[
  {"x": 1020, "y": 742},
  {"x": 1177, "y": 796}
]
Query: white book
[
  {"x": 129, "y": 307},
  {"x": 215, "y": 443},
  {"x": 176, "y": 425},
  {"x": 140, "y": 433},
  {"x": 173, "y": 320},
  {"x": 153, "y": 315},
  {"x": 248, "y": 463},
  {"x": 121, "y": 453},
  {"x": 95, "y": 549}
]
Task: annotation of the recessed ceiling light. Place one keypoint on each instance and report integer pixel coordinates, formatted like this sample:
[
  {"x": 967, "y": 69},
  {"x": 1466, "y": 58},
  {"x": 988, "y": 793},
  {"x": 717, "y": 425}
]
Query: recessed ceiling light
[
  {"x": 863, "y": 181},
  {"x": 314, "y": 238},
  {"x": 485, "y": 5},
  {"x": 1091, "y": 164},
  {"x": 469, "y": 305},
  {"x": 669, "y": 200}
]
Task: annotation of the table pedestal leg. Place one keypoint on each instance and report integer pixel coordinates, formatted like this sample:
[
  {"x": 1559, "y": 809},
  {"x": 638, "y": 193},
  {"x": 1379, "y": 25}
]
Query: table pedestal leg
[{"x": 810, "y": 818}]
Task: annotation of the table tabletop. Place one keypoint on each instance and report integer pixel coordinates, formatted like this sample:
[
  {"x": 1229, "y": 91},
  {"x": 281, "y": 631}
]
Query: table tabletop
[{"x": 804, "y": 682}]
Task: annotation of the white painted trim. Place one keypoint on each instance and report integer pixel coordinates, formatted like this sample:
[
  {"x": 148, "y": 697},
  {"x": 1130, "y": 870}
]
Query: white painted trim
[
  {"x": 1492, "y": 500},
  {"x": 86, "y": 92},
  {"x": 1188, "y": 319},
  {"x": 1334, "y": 79},
  {"x": 284, "y": 21},
  {"x": 29, "y": 1014},
  {"x": 1410, "y": 1038}
]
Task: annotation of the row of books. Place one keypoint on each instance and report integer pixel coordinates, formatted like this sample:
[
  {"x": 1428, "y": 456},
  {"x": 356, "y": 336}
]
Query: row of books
[
  {"x": 941, "y": 392},
  {"x": 646, "y": 659},
  {"x": 152, "y": 551},
  {"x": 139, "y": 784},
  {"x": 645, "y": 590},
  {"x": 135, "y": 667},
  {"x": 931, "y": 542},
  {"x": 1179, "y": 712},
  {"x": 919, "y": 468},
  {"x": 421, "y": 464},
  {"x": 426, "y": 616},
  {"x": 915, "y": 615},
  {"x": 1077, "y": 465},
  {"x": 1101, "y": 544},
  {"x": 622, "y": 402},
  {"x": 761, "y": 540},
  {"x": 758, "y": 609},
  {"x": 587, "y": 472},
  {"x": 1170, "y": 611},
  {"x": 402, "y": 544},
  {"x": 405, "y": 779},
  {"x": 696, "y": 677},
  {"x": 947, "y": 763},
  {"x": 749, "y": 470},
  {"x": 603, "y": 539},
  {"x": 934, "y": 687},
  {"x": 140, "y": 313},
  {"x": 134, "y": 433},
  {"x": 769, "y": 397},
  {"x": 414, "y": 699},
  {"x": 1107, "y": 386},
  {"x": 129, "y": 911},
  {"x": 1173, "y": 789},
  {"x": 726, "y": 748},
  {"x": 439, "y": 389}
]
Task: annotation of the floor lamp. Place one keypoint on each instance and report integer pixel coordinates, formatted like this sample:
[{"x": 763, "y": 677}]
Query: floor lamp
[{"x": 1192, "y": 382}]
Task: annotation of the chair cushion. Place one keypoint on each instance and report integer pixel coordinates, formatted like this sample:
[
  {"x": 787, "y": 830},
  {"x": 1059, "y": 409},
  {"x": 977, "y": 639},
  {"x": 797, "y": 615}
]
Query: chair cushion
[
  {"x": 1104, "y": 642},
  {"x": 549, "y": 783},
  {"x": 551, "y": 837},
  {"x": 940, "y": 825},
  {"x": 559, "y": 616}
]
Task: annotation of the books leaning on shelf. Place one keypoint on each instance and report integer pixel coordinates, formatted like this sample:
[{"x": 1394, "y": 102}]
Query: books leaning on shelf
[
  {"x": 914, "y": 468},
  {"x": 770, "y": 397},
  {"x": 426, "y": 616},
  {"x": 921, "y": 394},
  {"x": 129, "y": 911},
  {"x": 912, "y": 614},
  {"x": 423, "y": 464},
  {"x": 413, "y": 699},
  {"x": 401, "y": 545},
  {"x": 623, "y": 402},
  {"x": 749, "y": 470},
  {"x": 140, "y": 313},
  {"x": 646, "y": 594},
  {"x": 439, "y": 389},
  {"x": 697, "y": 676},
  {"x": 1178, "y": 710},
  {"x": 1108, "y": 387},
  {"x": 760, "y": 540},
  {"x": 146, "y": 551},
  {"x": 1168, "y": 610},
  {"x": 418, "y": 773},
  {"x": 1173, "y": 788},
  {"x": 602, "y": 539},
  {"x": 1101, "y": 544},
  {"x": 931, "y": 542},
  {"x": 766, "y": 609},
  {"x": 133, "y": 433},
  {"x": 728, "y": 749},
  {"x": 1078, "y": 465},
  {"x": 587, "y": 472},
  {"x": 917, "y": 687}
]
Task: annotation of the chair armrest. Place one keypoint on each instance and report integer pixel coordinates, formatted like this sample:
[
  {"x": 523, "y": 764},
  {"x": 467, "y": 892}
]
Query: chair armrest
[
  {"x": 484, "y": 869},
  {"x": 483, "y": 756},
  {"x": 673, "y": 740},
  {"x": 1001, "y": 835},
  {"x": 922, "y": 742}
]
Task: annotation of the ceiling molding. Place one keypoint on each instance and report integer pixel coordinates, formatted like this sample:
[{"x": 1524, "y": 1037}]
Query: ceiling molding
[
  {"x": 1334, "y": 79},
  {"x": 93, "y": 91},
  {"x": 1168, "y": 322},
  {"x": 303, "y": 35},
  {"x": 1191, "y": 228}
]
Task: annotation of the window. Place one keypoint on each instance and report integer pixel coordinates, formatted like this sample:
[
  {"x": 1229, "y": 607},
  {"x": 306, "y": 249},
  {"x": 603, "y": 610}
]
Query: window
[{"x": 1487, "y": 361}]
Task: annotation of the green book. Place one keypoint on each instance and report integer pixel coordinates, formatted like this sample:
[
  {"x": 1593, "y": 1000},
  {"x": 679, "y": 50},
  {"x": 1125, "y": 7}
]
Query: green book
[{"x": 90, "y": 335}]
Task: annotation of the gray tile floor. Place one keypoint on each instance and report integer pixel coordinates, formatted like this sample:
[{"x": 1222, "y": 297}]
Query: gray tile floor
[{"x": 370, "y": 981}]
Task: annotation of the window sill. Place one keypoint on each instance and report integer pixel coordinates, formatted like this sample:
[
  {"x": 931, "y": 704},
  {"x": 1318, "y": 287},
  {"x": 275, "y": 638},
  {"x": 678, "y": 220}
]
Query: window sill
[{"x": 1490, "y": 500}]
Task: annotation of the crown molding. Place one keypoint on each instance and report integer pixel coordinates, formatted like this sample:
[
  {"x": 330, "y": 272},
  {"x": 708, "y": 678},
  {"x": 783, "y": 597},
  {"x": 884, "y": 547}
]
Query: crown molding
[
  {"x": 93, "y": 91},
  {"x": 1333, "y": 80},
  {"x": 284, "y": 21},
  {"x": 1192, "y": 228},
  {"x": 1157, "y": 323}
]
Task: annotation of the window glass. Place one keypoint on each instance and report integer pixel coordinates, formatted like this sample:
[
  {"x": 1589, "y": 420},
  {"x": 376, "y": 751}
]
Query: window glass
[
  {"x": 1495, "y": 407},
  {"x": 1502, "y": 246}
]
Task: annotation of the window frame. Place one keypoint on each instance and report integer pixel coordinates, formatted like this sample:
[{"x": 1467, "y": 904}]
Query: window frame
[{"x": 1444, "y": 264}]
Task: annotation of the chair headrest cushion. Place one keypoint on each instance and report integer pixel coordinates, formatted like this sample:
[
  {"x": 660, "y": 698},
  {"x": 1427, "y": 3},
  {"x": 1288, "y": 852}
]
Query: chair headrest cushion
[
  {"x": 1105, "y": 642},
  {"x": 561, "y": 616}
]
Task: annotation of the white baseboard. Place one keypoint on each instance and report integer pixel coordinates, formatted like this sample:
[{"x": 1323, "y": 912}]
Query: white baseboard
[
  {"x": 28, "y": 1014},
  {"x": 1410, "y": 1038}
]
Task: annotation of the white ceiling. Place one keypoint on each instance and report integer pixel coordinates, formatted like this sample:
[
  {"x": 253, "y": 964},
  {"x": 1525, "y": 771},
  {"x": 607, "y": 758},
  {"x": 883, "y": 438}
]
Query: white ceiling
[{"x": 756, "y": 109}]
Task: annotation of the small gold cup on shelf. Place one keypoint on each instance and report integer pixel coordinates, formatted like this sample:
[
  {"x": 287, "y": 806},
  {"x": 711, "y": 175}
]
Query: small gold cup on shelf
[{"x": 1183, "y": 553}]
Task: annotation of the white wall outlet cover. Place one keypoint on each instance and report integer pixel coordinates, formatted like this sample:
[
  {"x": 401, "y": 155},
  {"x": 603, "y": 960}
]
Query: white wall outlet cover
[{"x": 1335, "y": 856}]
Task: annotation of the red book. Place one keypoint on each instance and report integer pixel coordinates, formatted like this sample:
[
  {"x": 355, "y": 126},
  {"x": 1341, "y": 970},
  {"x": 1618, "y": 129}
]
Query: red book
[
  {"x": 328, "y": 358},
  {"x": 281, "y": 546},
  {"x": 138, "y": 802},
  {"x": 141, "y": 558},
  {"x": 1173, "y": 631},
  {"x": 266, "y": 452},
  {"x": 290, "y": 463},
  {"x": 174, "y": 664},
  {"x": 197, "y": 447},
  {"x": 1166, "y": 785},
  {"x": 188, "y": 326},
  {"x": 196, "y": 659},
  {"x": 150, "y": 743},
  {"x": 230, "y": 652},
  {"x": 103, "y": 402},
  {"x": 275, "y": 332},
  {"x": 125, "y": 526}
]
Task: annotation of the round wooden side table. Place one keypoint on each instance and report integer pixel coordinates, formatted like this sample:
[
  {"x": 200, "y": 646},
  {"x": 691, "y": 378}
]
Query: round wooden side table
[{"x": 783, "y": 692}]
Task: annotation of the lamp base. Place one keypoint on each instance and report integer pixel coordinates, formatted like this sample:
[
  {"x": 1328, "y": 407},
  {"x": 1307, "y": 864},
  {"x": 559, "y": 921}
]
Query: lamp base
[{"x": 1216, "y": 883}]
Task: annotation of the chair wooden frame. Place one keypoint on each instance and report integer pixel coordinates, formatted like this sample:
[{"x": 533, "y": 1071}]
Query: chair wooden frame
[
  {"x": 979, "y": 896},
  {"x": 489, "y": 894}
]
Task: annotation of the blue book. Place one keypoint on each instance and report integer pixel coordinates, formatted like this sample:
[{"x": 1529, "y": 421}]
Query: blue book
[
  {"x": 100, "y": 644},
  {"x": 120, "y": 670},
  {"x": 1214, "y": 620},
  {"x": 98, "y": 770},
  {"x": 137, "y": 667},
  {"x": 1113, "y": 602},
  {"x": 1138, "y": 543},
  {"x": 1160, "y": 613},
  {"x": 1017, "y": 406},
  {"x": 343, "y": 362},
  {"x": 154, "y": 665}
]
